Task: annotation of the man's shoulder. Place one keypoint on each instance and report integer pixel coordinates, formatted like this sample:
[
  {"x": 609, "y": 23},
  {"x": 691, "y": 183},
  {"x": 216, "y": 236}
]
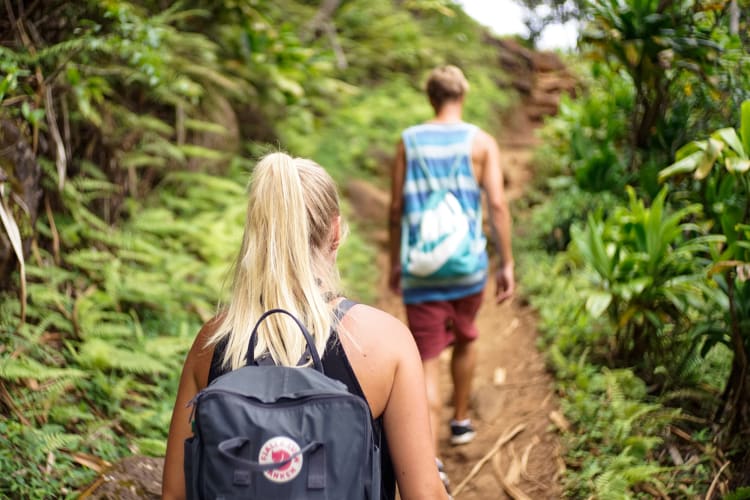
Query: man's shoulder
[{"x": 483, "y": 139}]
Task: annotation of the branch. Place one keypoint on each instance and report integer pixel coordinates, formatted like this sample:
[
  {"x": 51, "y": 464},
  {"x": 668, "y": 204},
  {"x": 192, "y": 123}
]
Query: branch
[
  {"x": 61, "y": 158},
  {"x": 322, "y": 17},
  {"x": 512, "y": 490},
  {"x": 501, "y": 441},
  {"x": 716, "y": 480}
]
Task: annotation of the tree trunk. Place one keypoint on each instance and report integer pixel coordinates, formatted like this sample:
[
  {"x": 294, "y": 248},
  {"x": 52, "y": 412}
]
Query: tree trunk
[
  {"x": 734, "y": 18},
  {"x": 735, "y": 414},
  {"x": 21, "y": 173}
]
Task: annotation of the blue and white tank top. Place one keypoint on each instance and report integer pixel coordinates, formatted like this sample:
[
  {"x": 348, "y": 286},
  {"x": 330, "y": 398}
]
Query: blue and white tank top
[{"x": 441, "y": 146}]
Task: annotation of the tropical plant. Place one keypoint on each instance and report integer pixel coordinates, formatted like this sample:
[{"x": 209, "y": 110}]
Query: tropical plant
[
  {"x": 649, "y": 278},
  {"x": 720, "y": 168},
  {"x": 588, "y": 136},
  {"x": 670, "y": 50}
]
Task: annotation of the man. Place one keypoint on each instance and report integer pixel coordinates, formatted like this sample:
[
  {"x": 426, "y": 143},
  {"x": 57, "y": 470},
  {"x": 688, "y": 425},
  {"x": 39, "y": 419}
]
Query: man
[{"x": 447, "y": 153}]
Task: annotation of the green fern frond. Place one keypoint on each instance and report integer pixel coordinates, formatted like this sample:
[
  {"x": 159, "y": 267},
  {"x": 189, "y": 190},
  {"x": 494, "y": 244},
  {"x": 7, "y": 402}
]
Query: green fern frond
[
  {"x": 161, "y": 147},
  {"x": 644, "y": 473},
  {"x": 49, "y": 439},
  {"x": 63, "y": 49},
  {"x": 94, "y": 188},
  {"x": 215, "y": 77},
  {"x": 100, "y": 355},
  {"x": 52, "y": 275},
  {"x": 205, "y": 126},
  {"x": 67, "y": 414},
  {"x": 151, "y": 447},
  {"x": 166, "y": 348},
  {"x": 138, "y": 159},
  {"x": 640, "y": 446},
  {"x": 91, "y": 329},
  {"x": 147, "y": 122},
  {"x": 611, "y": 486},
  {"x": 16, "y": 369},
  {"x": 89, "y": 259},
  {"x": 174, "y": 15}
]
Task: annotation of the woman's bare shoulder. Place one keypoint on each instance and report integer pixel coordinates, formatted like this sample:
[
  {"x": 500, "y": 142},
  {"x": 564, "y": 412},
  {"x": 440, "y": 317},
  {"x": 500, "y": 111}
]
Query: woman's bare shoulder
[
  {"x": 376, "y": 329},
  {"x": 201, "y": 353}
]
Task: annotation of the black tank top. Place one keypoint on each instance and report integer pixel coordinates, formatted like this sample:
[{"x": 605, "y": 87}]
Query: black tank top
[{"x": 335, "y": 365}]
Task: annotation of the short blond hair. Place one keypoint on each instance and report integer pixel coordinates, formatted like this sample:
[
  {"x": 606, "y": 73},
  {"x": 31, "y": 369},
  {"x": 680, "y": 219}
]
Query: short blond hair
[{"x": 446, "y": 83}]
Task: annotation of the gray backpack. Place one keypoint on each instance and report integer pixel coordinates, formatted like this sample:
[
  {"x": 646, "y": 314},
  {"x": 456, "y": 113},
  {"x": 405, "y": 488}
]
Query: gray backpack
[{"x": 274, "y": 432}]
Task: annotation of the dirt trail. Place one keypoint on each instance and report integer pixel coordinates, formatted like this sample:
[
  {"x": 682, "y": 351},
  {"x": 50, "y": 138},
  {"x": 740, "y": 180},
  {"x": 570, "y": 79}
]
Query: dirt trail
[{"x": 531, "y": 461}]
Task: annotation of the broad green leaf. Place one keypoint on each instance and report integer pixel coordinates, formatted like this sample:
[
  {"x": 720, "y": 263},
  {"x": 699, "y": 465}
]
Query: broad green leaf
[
  {"x": 745, "y": 125},
  {"x": 713, "y": 150},
  {"x": 685, "y": 165},
  {"x": 730, "y": 137},
  {"x": 735, "y": 164},
  {"x": 688, "y": 149},
  {"x": 598, "y": 302}
]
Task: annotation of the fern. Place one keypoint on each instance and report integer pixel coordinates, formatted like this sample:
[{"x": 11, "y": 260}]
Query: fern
[
  {"x": 50, "y": 438},
  {"x": 151, "y": 447},
  {"x": 70, "y": 414},
  {"x": 17, "y": 369},
  {"x": 100, "y": 355}
]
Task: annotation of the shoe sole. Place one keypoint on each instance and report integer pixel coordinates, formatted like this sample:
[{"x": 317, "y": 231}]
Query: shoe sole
[{"x": 463, "y": 438}]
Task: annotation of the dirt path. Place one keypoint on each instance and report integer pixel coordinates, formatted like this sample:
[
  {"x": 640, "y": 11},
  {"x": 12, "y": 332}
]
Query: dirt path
[{"x": 531, "y": 461}]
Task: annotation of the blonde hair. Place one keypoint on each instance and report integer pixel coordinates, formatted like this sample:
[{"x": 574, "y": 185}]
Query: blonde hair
[
  {"x": 446, "y": 83},
  {"x": 287, "y": 260}
]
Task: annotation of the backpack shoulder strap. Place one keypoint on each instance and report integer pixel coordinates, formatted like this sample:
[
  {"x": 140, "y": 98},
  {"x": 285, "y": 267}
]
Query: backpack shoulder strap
[
  {"x": 343, "y": 307},
  {"x": 266, "y": 360}
]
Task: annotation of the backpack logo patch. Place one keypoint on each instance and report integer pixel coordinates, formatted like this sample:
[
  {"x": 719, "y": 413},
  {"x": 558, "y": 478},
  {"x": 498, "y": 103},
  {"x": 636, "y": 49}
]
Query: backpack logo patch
[{"x": 279, "y": 449}]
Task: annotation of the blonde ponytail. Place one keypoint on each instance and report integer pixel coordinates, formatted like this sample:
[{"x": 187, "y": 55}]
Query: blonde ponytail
[{"x": 287, "y": 260}]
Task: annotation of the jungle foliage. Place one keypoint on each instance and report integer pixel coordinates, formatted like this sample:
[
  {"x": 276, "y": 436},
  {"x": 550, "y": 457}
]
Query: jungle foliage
[
  {"x": 127, "y": 131},
  {"x": 643, "y": 221}
]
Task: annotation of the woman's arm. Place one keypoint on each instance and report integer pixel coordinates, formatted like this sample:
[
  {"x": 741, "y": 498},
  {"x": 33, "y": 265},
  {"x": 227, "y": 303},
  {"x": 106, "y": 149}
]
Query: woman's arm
[
  {"x": 407, "y": 425},
  {"x": 193, "y": 379}
]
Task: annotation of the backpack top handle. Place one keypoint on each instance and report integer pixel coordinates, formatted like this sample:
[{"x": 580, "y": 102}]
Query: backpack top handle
[{"x": 317, "y": 364}]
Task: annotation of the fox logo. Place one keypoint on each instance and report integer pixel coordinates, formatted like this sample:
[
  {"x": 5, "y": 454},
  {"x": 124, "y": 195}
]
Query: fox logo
[{"x": 277, "y": 450}]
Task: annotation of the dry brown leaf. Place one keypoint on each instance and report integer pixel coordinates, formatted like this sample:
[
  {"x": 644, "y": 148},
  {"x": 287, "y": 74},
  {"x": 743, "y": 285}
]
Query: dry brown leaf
[
  {"x": 92, "y": 462},
  {"x": 559, "y": 420},
  {"x": 499, "y": 376}
]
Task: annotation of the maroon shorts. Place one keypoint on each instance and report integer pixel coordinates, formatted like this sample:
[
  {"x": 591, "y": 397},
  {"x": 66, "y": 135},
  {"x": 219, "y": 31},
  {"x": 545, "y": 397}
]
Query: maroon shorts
[{"x": 436, "y": 325}]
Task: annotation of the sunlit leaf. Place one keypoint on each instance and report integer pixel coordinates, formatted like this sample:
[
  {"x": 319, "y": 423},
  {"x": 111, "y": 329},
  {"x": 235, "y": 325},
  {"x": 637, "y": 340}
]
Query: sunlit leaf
[
  {"x": 706, "y": 163},
  {"x": 730, "y": 137},
  {"x": 685, "y": 165},
  {"x": 597, "y": 302},
  {"x": 738, "y": 165},
  {"x": 745, "y": 125}
]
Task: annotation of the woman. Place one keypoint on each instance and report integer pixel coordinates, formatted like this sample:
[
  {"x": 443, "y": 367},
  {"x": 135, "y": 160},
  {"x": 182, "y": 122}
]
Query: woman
[{"x": 288, "y": 260}]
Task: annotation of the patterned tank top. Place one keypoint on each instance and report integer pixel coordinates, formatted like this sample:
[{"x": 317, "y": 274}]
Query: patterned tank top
[{"x": 445, "y": 149}]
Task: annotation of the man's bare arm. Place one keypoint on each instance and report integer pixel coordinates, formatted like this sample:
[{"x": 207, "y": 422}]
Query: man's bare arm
[
  {"x": 394, "y": 216},
  {"x": 499, "y": 215}
]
